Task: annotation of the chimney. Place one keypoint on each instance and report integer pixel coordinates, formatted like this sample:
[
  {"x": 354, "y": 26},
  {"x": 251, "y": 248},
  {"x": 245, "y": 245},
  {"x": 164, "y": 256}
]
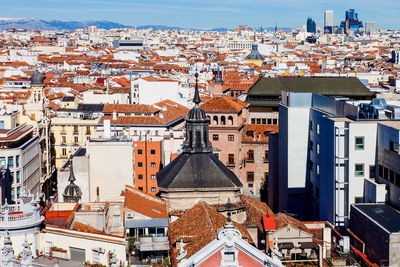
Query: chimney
[{"x": 107, "y": 128}]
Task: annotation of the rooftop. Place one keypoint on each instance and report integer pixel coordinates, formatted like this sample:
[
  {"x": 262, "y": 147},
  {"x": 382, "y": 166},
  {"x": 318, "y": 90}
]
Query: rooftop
[{"x": 384, "y": 215}]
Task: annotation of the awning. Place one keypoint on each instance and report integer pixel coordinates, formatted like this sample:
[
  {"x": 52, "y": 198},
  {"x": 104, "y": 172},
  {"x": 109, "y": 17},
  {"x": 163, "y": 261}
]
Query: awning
[{"x": 149, "y": 223}]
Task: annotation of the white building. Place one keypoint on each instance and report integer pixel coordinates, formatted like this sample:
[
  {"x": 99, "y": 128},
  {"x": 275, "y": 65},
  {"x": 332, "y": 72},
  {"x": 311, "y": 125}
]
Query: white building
[
  {"x": 328, "y": 156},
  {"x": 328, "y": 21}
]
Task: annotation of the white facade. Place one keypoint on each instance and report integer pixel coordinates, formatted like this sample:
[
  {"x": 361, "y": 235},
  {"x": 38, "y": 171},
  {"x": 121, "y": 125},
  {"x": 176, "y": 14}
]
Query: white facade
[
  {"x": 110, "y": 168},
  {"x": 145, "y": 91},
  {"x": 328, "y": 18}
]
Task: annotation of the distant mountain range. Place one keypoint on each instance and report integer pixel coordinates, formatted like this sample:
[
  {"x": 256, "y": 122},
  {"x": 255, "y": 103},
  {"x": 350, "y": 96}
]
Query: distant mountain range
[{"x": 38, "y": 24}]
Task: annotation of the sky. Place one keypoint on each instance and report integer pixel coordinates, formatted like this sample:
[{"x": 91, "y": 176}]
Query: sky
[{"x": 204, "y": 13}]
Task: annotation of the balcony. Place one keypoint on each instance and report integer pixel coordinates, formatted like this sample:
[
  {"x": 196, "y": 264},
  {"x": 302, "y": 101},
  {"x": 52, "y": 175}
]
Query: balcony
[
  {"x": 250, "y": 160},
  {"x": 20, "y": 216}
]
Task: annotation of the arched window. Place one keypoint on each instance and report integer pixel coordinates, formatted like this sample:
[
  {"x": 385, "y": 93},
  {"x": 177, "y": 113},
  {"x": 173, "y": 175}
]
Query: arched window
[
  {"x": 223, "y": 121},
  {"x": 215, "y": 120},
  {"x": 230, "y": 120}
]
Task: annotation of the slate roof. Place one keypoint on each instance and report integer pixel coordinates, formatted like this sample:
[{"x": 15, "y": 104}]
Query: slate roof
[
  {"x": 189, "y": 171},
  {"x": 331, "y": 86},
  {"x": 382, "y": 214}
]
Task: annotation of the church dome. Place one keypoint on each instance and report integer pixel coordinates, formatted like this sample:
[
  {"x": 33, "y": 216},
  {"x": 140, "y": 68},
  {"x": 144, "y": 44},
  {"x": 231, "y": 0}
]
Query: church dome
[
  {"x": 197, "y": 114},
  {"x": 37, "y": 78},
  {"x": 72, "y": 193}
]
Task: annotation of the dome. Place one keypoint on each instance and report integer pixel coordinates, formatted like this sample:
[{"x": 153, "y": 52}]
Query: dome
[
  {"x": 37, "y": 78},
  {"x": 72, "y": 193},
  {"x": 197, "y": 114}
]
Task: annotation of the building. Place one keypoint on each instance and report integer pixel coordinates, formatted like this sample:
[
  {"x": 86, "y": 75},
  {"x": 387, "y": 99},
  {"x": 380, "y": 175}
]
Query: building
[
  {"x": 148, "y": 161},
  {"x": 328, "y": 21},
  {"x": 333, "y": 154},
  {"x": 20, "y": 155},
  {"x": 311, "y": 26},
  {"x": 227, "y": 117},
  {"x": 254, "y": 57},
  {"x": 72, "y": 127},
  {"x": 377, "y": 227},
  {"x": 186, "y": 180},
  {"x": 228, "y": 249},
  {"x": 351, "y": 24},
  {"x": 370, "y": 27},
  {"x": 20, "y": 222},
  {"x": 395, "y": 57},
  {"x": 265, "y": 95},
  {"x": 132, "y": 44}
]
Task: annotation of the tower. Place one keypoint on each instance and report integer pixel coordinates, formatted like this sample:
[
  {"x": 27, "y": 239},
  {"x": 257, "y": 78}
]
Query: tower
[
  {"x": 197, "y": 174},
  {"x": 255, "y": 57},
  {"x": 328, "y": 21},
  {"x": 72, "y": 192}
]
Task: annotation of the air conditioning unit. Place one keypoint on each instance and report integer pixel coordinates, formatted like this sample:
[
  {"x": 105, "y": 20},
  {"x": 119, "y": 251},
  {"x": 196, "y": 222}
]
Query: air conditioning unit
[{"x": 130, "y": 216}]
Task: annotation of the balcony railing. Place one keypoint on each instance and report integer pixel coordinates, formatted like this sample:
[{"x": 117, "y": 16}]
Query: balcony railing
[{"x": 230, "y": 164}]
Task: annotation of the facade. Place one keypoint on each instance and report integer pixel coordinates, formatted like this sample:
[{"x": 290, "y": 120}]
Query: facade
[
  {"x": 133, "y": 44},
  {"x": 72, "y": 128},
  {"x": 376, "y": 226},
  {"x": 311, "y": 26},
  {"x": 351, "y": 24},
  {"x": 229, "y": 249},
  {"x": 20, "y": 154},
  {"x": 328, "y": 21},
  {"x": 148, "y": 161},
  {"x": 328, "y": 157},
  {"x": 149, "y": 90}
]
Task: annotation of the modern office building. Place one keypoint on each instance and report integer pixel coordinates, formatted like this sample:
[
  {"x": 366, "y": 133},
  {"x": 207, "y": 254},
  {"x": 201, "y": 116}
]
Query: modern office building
[
  {"x": 329, "y": 153},
  {"x": 351, "y": 22},
  {"x": 311, "y": 25},
  {"x": 134, "y": 44},
  {"x": 370, "y": 27},
  {"x": 328, "y": 21}
]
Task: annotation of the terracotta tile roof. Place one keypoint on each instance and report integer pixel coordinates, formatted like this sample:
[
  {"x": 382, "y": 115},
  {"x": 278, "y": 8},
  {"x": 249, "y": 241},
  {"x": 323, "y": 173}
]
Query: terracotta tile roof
[
  {"x": 255, "y": 210},
  {"x": 258, "y": 132},
  {"x": 82, "y": 227},
  {"x": 223, "y": 104},
  {"x": 282, "y": 220},
  {"x": 197, "y": 227},
  {"x": 129, "y": 108},
  {"x": 144, "y": 204}
]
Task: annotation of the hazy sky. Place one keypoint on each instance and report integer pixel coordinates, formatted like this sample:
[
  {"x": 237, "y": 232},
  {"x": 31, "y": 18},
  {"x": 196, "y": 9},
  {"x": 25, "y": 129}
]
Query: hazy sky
[{"x": 204, "y": 13}]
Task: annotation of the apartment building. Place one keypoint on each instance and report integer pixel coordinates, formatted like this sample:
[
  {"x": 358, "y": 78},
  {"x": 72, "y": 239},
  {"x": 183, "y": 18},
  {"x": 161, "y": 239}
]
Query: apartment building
[{"x": 328, "y": 156}]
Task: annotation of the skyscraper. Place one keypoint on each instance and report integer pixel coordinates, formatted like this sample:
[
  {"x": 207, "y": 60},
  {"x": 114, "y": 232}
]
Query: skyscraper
[
  {"x": 351, "y": 22},
  {"x": 311, "y": 26},
  {"x": 328, "y": 21}
]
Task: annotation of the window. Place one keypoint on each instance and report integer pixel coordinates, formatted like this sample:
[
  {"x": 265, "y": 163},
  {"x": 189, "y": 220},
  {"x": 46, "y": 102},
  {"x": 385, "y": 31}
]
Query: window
[
  {"x": 317, "y": 128},
  {"x": 250, "y": 133},
  {"x": 17, "y": 176},
  {"x": 311, "y": 165},
  {"x": 75, "y": 129},
  {"x": 140, "y": 152},
  {"x": 317, "y": 169},
  {"x": 87, "y": 129},
  {"x": 250, "y": 185},
  {"x": 250, "y": 176},
  {"x": 64, "y": 151},
  {"x": 3, "y": 161},
  {"x": 116, "y": 220},
  {"x": 140, "y": 188},
  {"x": 231, "y": 137},
  {"x": 216, "y": 155},
  {"x": 359, "y": 169},
  {"x": 372, "y": 171},
  {"x": 311, "y": 145},
  {"x": 380, "y": 167},
  {"x": 140, "y": 164},
  {"x": 140, "y": 176},
  {"x": 275, "y": 121},
  {"x": 215, "y": 137},
  {"x": 359, "y": 143},
  {"x": 229, "y": 257},
  {"x": 76, "y": 140},
  {"x": 10, "y": 162},
  {"x": 253, "y": 121},
  {"x": 153, "y": 177},
  {"x": 153, "y": 189},
  {"x": 153, "y": 152},
  {"x": 394, "y": 147},
  {"x": 311, "y": 126},
  {"x": 153, "y": 164},
  {"x": 231, "y": 158},
  {"x": 63, "y": 139},
  {"x": 18, "y": 191},
  {"x": 250, "y": 155},
  {"x": 17, "y": 161},
  {"x": 317, "y": 146},
  {"x": 391, "y": 177},
  {"x": 266, "y": 156}
]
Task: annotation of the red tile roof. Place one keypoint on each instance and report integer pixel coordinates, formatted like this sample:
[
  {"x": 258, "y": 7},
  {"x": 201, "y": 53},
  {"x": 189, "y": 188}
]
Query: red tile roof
[
  {"x": 144, "y": 204},
  {"x": 223, "y": 104}
]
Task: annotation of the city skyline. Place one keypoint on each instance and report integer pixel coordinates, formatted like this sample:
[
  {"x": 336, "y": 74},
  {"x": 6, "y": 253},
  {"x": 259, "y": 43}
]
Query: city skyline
[{"x": 203, "y": 14}]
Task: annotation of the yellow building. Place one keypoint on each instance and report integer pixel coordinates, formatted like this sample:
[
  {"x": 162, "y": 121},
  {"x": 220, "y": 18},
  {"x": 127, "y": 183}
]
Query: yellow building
[{"x": 72, "y": 128}]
